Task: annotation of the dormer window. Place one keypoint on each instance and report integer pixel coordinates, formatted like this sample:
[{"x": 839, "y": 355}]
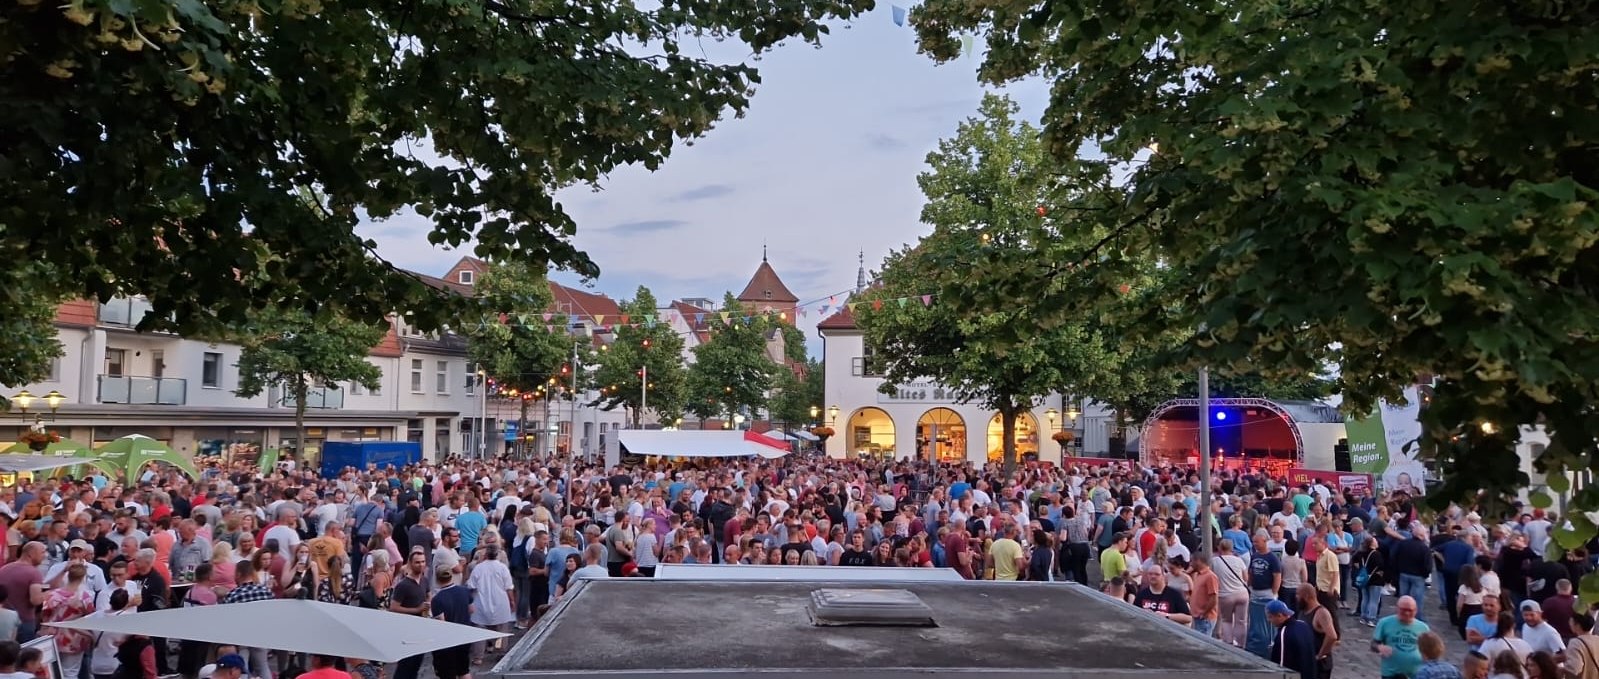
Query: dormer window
[
  {"x": 768, "y": 294},
  {"x": 465, "y": 277}
]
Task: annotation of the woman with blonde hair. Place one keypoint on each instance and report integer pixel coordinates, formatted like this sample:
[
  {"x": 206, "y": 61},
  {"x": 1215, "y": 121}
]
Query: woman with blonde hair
[
  {"x": 377, "y": 582},
  {"x": 222, "y": 568}
]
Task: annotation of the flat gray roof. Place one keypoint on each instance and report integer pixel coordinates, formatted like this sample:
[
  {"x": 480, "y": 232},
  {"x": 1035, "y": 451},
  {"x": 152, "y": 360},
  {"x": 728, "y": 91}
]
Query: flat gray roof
[{"x": 636, "y": 625}]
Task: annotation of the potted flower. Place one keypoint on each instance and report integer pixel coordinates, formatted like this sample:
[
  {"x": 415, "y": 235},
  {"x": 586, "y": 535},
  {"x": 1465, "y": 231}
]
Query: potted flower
[
  {"x": 38, "y": 438},
  {"x": 1064, "y": 438},
  {"x": 822, "y": 433}
]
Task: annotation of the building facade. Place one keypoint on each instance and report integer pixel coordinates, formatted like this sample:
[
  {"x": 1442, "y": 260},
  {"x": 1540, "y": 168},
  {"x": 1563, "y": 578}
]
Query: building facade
[{"x": 923, "y": 420}]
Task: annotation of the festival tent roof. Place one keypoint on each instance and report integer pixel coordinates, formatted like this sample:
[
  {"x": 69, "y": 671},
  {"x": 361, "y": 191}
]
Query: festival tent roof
[
  {"x": 689, "y": 443},
  {"x": 297, "y": 626},
  {"x": 13, "y": 463},
  {"x": 62, "y": 447},
  {"x": 130, "y": 453}
]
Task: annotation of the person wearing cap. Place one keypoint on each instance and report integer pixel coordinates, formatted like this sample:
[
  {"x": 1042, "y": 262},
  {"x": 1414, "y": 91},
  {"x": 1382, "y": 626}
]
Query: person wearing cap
[
  {"x": 230, "y": 666},
  {"x": 1294, "y": 644},
  {"x": 1539, "y": 635},
  {"x": 78, "y": 551}
]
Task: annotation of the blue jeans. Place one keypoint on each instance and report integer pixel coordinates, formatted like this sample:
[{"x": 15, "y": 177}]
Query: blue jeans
[
  {"x": 1259, "y": 637},
  {"x": 27, "y": 631},
  {"x": 1415, "y": 587},
  {"x": 1205, "y": 627},
  {"x": 1371, "y": 603}
]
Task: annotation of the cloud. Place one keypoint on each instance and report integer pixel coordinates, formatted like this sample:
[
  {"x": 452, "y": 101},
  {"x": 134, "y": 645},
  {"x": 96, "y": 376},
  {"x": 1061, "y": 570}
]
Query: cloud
[
  {"x": 647, "y": 226},
  {"x": 705, "y": 192},
  {"x": 884, "y": 142}
]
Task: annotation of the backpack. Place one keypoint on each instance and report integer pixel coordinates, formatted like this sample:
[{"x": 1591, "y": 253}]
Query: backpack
[{"x": 519, "y": 558}]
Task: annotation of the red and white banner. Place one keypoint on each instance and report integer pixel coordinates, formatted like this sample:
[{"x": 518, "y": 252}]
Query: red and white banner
[{"x": 1339, "y": 481}]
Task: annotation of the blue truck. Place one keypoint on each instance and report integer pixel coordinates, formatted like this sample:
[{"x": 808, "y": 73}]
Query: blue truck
[{"x": 336, "y": 455}]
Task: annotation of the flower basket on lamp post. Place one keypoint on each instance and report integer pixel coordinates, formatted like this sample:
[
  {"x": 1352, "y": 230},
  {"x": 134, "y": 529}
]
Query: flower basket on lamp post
[
  {"x": 38, "y": 438},
  {"x": 1064, "y": 438},
  {"x": 822, "y": 433}
]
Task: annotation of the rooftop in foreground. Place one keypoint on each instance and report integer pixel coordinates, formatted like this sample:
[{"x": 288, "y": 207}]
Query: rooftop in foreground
[{"x": 1022, "y": 629}]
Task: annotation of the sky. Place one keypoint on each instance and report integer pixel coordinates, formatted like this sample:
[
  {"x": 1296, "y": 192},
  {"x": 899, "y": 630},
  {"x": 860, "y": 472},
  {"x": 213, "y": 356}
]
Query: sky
[{"x": 822, "y": 167}]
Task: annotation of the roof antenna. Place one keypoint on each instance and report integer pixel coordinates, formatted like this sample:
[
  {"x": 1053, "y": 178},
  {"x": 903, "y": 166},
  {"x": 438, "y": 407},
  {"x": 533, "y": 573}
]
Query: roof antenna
[{"x": 763, "y": 250}]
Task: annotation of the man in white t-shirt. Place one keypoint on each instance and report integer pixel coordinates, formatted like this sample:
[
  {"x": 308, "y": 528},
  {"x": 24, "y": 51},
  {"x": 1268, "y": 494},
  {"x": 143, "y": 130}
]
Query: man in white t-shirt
[
  {"x": 285, "y": 532},
  {"x": 1539, "y": 635}
]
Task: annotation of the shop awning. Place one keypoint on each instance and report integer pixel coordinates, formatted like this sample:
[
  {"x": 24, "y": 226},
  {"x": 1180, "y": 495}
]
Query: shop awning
[{"x": 688, "y": 443}]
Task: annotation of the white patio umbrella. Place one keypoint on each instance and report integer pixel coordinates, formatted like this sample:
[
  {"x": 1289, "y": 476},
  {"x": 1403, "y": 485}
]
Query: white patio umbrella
[{"x": 297, "y": 626}]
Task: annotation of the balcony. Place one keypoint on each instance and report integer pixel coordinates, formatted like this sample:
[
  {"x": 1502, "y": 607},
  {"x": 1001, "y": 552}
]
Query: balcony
[
  {"x": 124, "y": 311},
  {"x": 317, "y": 397},
  {"x": 158, "y": 391}
]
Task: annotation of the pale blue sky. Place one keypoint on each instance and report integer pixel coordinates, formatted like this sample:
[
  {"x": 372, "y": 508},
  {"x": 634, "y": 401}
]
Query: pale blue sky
[{"x": 823, "y": 166}]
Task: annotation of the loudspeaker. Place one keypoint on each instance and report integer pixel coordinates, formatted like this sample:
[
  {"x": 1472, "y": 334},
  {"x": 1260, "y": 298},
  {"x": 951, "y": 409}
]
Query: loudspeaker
[{"x": 1341, "y": 460}]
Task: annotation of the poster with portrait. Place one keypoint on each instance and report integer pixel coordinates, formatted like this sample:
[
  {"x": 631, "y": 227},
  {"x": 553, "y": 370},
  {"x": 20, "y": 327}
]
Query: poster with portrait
[{"x": 1386, "y": 443}]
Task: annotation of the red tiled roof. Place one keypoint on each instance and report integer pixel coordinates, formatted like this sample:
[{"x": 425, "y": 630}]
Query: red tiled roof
[
  {"x": 766, "y": 287},
  {"x": 584, "y": 305},
  {"x": 78, "y": 313},
  {"x": 840, "y": 320},
  {"x": 701, "y": 326},
  {"x": 389, "y": 346},
  {"x": 443, "y": 284}
]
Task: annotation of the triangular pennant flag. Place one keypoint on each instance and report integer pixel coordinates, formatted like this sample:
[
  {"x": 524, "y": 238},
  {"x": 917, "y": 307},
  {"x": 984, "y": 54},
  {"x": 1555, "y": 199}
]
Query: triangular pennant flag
[
  {"x": 649, "y": 321},
  {"x": 549, "y": 328},
  {"x": 823, "y": 310},
  {"x": 699, "y": 319},
  {"x": 749, "y": 320},
  {"x": 725, "y": 316},
  {"x": 902, "y": 301},
  {"x": 877, "y": 305},
  {"x": 927, "y": 300},
  {"x": 599, "y": 319},
  {"x": 548, "y": 316},
  {"x": 625, "y": 318},
  {"x": 852, "y": 306},
  {"x": 899, "y": 15}
]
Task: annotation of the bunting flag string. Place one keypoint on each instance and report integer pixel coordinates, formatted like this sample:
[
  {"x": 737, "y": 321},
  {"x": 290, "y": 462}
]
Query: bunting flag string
[{"x": 822, "y": 308}]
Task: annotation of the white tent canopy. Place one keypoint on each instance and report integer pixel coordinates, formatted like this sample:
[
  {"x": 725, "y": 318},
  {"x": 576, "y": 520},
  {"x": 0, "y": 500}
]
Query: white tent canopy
[
  {"x": 22, "y": 462},
  {"x": 690, "y": 443},
  {"x": 296, "y": 626}
]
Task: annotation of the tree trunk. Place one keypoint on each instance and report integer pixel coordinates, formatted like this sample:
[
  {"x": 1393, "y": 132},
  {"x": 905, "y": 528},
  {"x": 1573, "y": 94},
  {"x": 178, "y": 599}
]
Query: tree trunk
[
  {"x": 1007, "y": 420},
  {"x": 300, "y": 392},
  {"x": 638, "y": 416}
]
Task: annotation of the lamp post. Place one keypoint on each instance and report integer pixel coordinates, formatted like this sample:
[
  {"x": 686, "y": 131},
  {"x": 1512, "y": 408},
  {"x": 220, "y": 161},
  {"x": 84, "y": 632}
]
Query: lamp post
[
  {"x": 24, "y": 400},
  {"x": 1072, "y": 412},
  {"x": 832, "y": 414}
]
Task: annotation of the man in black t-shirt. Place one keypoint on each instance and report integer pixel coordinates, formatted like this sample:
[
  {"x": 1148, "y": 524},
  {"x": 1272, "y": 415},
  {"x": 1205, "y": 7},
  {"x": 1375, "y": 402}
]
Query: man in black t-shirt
[
  {"x": 855, "y": 554},
  {"x": 410, "y": 598},
  {"x": 1161, "y": 600}
]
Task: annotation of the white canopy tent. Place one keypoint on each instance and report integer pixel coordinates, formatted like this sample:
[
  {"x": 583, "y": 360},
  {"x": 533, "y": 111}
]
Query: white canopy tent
[
  {"x": 691, "y": 443},
  {"x": 22, "y": 462},
  {"x": 296, "y": 626}
]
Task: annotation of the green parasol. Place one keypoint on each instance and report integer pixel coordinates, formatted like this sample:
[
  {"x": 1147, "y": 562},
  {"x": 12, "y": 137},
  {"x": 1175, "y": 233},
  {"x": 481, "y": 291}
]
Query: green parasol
[
  {"x": 268, "y": 460},
  {"x": 130, "y": 453}
]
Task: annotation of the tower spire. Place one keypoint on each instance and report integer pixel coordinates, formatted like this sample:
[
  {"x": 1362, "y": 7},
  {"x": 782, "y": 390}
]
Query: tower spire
[
  {"x": 763, "y": 250},
  {"x": 860, "y": 273}
]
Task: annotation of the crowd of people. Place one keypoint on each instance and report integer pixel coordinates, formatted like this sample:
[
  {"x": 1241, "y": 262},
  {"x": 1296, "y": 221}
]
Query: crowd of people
[{"x": 495, "y": 543}]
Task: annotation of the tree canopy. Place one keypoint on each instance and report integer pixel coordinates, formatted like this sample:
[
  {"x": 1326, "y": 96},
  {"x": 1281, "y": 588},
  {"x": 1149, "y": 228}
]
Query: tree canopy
[
  {"x": 984, "y": 188},
  {"x": 795, "y": 393},
  {"x": 511, "y": 341},
  {"x": 217, "y": 156},
  {"x": 1394, "y": 189},
  {"x": 648, "y": 344},
  {"x": 299, "y": 350},
  {"x": 732, "y": 373}
]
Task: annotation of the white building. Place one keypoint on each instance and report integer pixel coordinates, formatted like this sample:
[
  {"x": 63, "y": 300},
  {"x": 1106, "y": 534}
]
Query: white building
[{"x": 922, "y": 421}]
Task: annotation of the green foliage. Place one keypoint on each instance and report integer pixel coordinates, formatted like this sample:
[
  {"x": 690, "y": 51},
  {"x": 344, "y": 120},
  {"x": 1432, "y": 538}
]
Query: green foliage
[
  {"x": 652, "y": 345},
  {"x": 217, "y": 156},
  {"x": 731, "y": 372},
  {"x": 1395, "y": 189},
  {"x": 27, "y": 317},
  {"x": 511, "y": 341},
  {"x": 299, "y": 349},
  {"x": 793, "y": 395},
  {"x": 984, "y": 187}
]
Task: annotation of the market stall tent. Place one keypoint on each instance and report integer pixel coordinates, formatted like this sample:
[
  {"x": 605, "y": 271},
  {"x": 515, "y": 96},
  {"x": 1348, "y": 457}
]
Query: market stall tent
[
  {"x": 130, "y": 453},
  {"x": 690, "y": 443}
]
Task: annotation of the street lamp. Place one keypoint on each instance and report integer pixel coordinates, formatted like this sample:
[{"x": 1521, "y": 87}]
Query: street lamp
[
  {"x": 24, "y": 400},
  {"x": 1051, "y": 414},
  {"x": 832, "y": 414},
  {"x": 54, "y": 399},
  {"x": 815, "y": 411}
]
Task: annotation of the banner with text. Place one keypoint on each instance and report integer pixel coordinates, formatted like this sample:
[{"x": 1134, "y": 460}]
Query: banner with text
[
  {"x": 1384, "y": 444},
  {"x": 1338, "y": 481}
]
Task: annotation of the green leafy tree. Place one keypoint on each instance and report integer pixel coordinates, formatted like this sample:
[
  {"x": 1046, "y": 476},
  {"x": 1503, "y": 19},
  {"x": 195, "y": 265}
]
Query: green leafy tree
[
  {"x": 512, "y": 342},
  {"x": 1394, "y": 189},
  {"x": 27, "y": 321},
  {"x": 642, "y": 344},
  {"x": 795, "y": 393},
  {"x": 166, "y": 148},
  {"x": 984, "y": 187},
  {"x": 298, "y": 349},
  {"x": 732, "y": 373}
]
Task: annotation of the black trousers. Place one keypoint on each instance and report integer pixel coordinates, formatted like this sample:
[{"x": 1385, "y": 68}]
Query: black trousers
[
  {"x": 1074, "y": 561},
  {"x": 1450, "y": 594},
  {"x": 408, "y": 668}
]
